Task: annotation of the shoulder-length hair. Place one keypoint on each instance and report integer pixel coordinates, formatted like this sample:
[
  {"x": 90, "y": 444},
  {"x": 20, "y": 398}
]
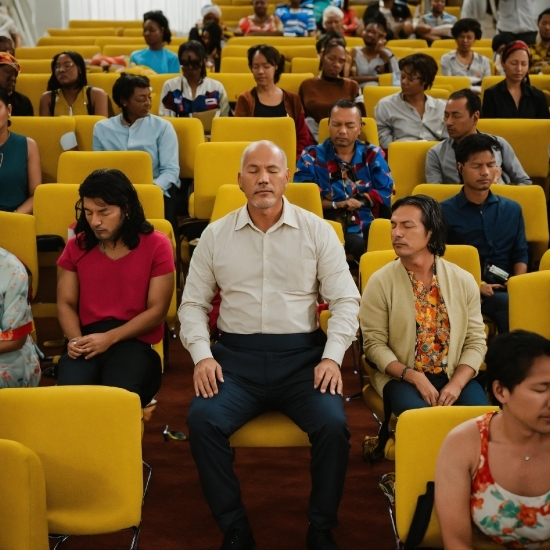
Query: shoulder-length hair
[{"x": 78, "y": 60}]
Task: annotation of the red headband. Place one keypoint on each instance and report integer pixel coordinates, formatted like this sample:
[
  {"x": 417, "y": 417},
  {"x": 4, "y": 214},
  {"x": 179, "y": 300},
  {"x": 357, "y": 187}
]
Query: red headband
[{"x": 517, "y": 45}]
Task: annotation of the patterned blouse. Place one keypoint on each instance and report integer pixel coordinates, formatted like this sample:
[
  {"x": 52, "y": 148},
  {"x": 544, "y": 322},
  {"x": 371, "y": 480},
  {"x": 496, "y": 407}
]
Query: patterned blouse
[
  {"x": 539, "y": 57},
  {"x": 432, "y": 327},
  {"x": 511, "y": 520}
]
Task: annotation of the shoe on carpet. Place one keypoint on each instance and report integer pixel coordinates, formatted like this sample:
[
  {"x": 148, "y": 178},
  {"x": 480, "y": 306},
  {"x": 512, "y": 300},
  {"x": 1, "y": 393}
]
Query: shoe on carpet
[
  {"x": 320, "y": 539},
  {"x": 371, "y": 453},
  {"x": 238, "y": 538}
]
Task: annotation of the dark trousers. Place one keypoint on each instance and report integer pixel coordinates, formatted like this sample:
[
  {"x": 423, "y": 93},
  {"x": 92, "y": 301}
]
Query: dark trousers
[
  {"x": 528, "y": 37},
  {"x": 269, "y": 372},
  {"x": 404, "y": 396},
  {"x": 356, "y": 244},
  {"x": 496, "y": 308},
  {"x": 131, "y": 364}
]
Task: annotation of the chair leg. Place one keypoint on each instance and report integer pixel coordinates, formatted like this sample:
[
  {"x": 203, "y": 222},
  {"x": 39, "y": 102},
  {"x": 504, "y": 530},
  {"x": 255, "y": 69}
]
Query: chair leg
[
  {"x": 136, "y": 530},
  {"x": 390, "y": 501},
  {"x": 62, "y": 539},
  {"x": 150, "y": 469}
]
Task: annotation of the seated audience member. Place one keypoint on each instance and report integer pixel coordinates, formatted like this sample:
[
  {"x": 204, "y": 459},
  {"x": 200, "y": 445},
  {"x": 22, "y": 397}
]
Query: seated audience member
[
  {"x": 19, "y": 361},
  {"x": 514, "y": 97},
  {"x": 421, "y": 319},
  {"x": 297, "y": 20},
  {"x": 461, "y": 115},
  {"x": 493, "y": 473},
  {"x": 464, "y": 61},
  {"x": 435, "y": 24},
  {"x": 9, "y": 71},
  {"x": 193, "y": 91},
  {"x": 6, "y": 45},
  {"x": 319, "y": 93},
  {"x": 211, "y": 39},
  {"x": 517, "y": 20},
  {"x": 268, "y": 358},
  {"x": 211, "y": 13},
  {"x": 540, "y": 52},
  {"x": 353, "y": 177},
  {"x": 267, "y": 99},
  {"x": 397, "y": 15},
  {"x": 332, "y": 21},
  {"x": 373, "y": 59},
  {"x": 156, "y": 32},
  {"x": 260, "y": 23},
  {"x": 9, "y": 29},
  {"x": 68, "y": 91},
  {"x": 138, "y": 130},
  {"x": 112, "y": 320},
  {"x": 493, "y": 224},
  {"x": 411, "y": 115},
  {"x": 20, "y": 170},
  {"x": 350, "y": 19},
  {"x": 497, "y": 45}
]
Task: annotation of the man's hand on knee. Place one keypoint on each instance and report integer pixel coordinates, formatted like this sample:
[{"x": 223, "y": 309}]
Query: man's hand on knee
[
  {"x": 207, "y": 371},
  {"x": 327, "y": 375}
]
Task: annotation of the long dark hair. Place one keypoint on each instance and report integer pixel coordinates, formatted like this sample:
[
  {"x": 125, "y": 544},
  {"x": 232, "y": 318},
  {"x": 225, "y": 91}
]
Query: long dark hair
[
  {"x": 113, "y": 188},
  {"x": 5, "y": 99},
  {"x": 433, "y": 220},
  {"x": 272, "y": 56},
  {"x": 198, "y": 49},
  {"x": 77, "y": 59}
]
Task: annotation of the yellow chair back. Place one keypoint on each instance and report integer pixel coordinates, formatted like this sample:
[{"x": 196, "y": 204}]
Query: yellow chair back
[
  {"x": 415, "y": 44},
  {"x": 157, "y": 82},
  {"x": 190, "y": 132},
  {"x": 67, "y": 42},
  {"x": 291, "y": 82},
  {"x": 275, "y": 41},
  {"x": 92, "y": 31},
  {"x": 33, "y": 86},
  {"x": 371, "y": 262},
  {"x": 529, "y": 302},
  {"x": 545, "y": 261},
  {"x": 437, "y": 191},
  {"x": 305, "y": 65},
  {"x": 368, "y": 133},
  {"x": 76, "y": 166},
  {"x": 379, "y": 235},
  {"x": 47, "y": 132},
  {"x": 47, "y": 52},
  {"x": 35, "y": 66},
  {"x": 23, "y": 516},
  {"x": 85, "y": 130},
  {"x": 235, "y": 83},
  {"x": 137, "y": 41},
  {"x": 234, "y": 65},
  {"x": 373, "y": 94},
  {"x": 466, "y": 257},
  {"x": 451, "y": 44},
  {"x": 98, "y": 23}
]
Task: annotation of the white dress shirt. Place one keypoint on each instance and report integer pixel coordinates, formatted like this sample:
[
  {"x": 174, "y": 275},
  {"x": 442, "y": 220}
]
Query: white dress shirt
[
  {"x": 269, "y": 282},
  {"x": 517, "y": 16},
  {"x": 397, "y": 120}
]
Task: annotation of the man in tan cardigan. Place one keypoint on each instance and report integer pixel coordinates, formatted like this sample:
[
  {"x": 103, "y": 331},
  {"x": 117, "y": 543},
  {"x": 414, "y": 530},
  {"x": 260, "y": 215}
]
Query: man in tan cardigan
[{"x": 421, "y": 317}]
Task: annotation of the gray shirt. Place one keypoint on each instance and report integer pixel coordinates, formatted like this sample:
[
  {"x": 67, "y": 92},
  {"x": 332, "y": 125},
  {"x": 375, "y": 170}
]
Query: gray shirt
[
  {"x": 397, "y": 120},
  {"x": 441, "y": 164},
  {"x": 478, "y": 68}
]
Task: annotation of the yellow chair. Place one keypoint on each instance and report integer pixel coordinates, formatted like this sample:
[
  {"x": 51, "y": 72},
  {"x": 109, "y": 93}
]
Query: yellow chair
[
  {"x": 368, "y": 133},
  {"x": 138, "y": 42},
  {"x": 529, "y": 302},
  {"x": 401, "y": 51},
  {"x": 530, "y": 197},
  {"x": 98, "y": 23},
  {"x": 455, "y": 82},
  {"x": 545, "y": 261},
  {"x": 33, "y": 86},
  {"x": 88, "y": 439},
  {"x": 234, "y": 65},
  {"x": 228, "y": 198},
  {"x": 114, "y": 50},
  {"x": 105, "y": 81},
  {"x": 291, "y": 82},
  {"x": 236, "y": 13},
  {"x": 35, "y": 66},
  {"x": 47, "y": 132},
  {"x": 305, "y": 65},
  {"x": 418, "y": 438},
  {"x": 76, "y": 166},
  {"x": 379, "y": 235},
  {"x": 216, "y": 164},
  {"x": 132, "y": 32},
  {"x": 289, "y": 52},
  {"x": 306, "y": 196},
  {"x": 23, "y": 516},
  {"x": 484, "y": 51},
  {"x": 235, "y": 83},
  {"x": 532, "y": 153},
  {"x": 415, "y": 44},
  {"x": 18, "y": 236},
  {"x": 190, "y": 132},
  {"x": 275, "y": 41},
  {"x": 373, "y": 94},
  {"x": 47, "y": 52},
  {"x": 434, "y": 53},
  {"x": 66, "y": 42},
  {"x": 281, "y": 131},
  {"x": 451, "y": 44},
  {"x": 85, "y": 130},
  {"x": 440, "y": 93},
  {"x": 157, "y": 82},
  {"x": 407, "y": 161},
  {"x": 98, "y": 31}
]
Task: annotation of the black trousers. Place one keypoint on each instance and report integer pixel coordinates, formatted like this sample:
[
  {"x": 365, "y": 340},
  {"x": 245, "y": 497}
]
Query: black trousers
[
  {"x": 131, "y": 364},
  {"x": 269, "y": 372}
]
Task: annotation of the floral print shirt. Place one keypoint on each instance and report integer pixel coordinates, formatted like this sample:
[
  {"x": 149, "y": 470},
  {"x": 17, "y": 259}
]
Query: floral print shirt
[
  {"x": 510, "y": 520},
  {"x": 432, "y": 327},
  {"x": 19, "y": 368}
]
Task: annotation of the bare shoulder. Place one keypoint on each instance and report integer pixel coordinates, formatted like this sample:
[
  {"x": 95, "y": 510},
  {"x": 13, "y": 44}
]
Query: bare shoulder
[
  {"x": 462, "y": 443},
  {"x": 98, "y": 92}
]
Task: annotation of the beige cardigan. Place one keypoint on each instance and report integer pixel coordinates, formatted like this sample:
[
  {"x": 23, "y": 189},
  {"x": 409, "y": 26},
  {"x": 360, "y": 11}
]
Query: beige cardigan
[{"x": 388, "y": 318}]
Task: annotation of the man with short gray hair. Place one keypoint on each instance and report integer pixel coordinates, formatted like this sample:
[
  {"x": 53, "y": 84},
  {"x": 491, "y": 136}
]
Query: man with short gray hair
[{"x": 270, "y": 260}]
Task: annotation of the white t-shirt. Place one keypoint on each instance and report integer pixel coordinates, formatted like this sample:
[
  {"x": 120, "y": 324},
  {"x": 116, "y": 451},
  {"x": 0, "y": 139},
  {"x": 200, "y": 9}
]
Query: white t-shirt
[
  {"x": 517, "y": 16},
  {"x": 7, "y": 26}
]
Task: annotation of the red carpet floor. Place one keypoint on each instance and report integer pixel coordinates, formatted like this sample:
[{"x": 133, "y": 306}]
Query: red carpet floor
[{"x": 275, "y": 482}]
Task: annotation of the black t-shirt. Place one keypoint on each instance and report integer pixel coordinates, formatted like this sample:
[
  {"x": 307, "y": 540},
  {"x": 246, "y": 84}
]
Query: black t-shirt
[{"x": 21, "y": 105}]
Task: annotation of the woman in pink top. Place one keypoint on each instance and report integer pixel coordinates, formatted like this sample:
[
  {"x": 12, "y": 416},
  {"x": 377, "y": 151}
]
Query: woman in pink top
[
  {"x": 260, "y": 24},
  {"x": 493, "y": 472}
]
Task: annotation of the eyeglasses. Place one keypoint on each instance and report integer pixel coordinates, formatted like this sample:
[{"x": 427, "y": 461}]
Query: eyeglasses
[
  {"x": 193, "y": 63},
  {"x": 65, "y": 67},
  {"x": 409, "y": 78}
]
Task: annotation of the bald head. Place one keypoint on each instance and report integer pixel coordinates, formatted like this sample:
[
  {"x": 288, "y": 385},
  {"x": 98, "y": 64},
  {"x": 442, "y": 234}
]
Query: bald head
[{"x": 264, "y": 144}]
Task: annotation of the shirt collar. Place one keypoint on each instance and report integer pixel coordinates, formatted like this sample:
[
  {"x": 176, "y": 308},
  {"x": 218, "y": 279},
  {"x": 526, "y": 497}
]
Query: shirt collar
[
  {"x": 462, "y": 200},
  {"x": 288, "y": 217},
  {"x": 357, "y": 152}
]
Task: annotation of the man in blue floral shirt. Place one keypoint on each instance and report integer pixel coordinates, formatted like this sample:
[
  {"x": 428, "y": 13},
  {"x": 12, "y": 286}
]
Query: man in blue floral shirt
[{"x": 353, "y": 177}]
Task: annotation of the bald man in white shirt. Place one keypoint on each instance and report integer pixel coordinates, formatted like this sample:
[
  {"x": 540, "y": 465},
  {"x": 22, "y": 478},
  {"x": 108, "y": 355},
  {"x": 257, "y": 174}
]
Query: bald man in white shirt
[{"x": 270, "y": 260}]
